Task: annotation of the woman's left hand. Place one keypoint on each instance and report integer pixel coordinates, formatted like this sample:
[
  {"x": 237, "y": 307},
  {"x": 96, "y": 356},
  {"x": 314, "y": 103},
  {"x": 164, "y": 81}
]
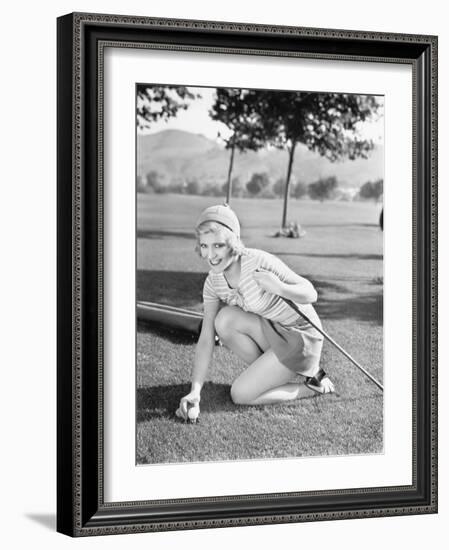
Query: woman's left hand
[{"x": 268, "y": 281}]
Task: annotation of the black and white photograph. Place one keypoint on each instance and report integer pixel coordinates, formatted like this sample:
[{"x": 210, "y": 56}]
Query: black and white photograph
[
  {"x": 259, "y": 274},
  {"x": 190, "y": 182}
]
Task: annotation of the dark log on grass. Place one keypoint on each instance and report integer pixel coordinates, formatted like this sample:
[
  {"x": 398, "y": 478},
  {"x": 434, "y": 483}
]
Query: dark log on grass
[{"x": 173, "y": 317}]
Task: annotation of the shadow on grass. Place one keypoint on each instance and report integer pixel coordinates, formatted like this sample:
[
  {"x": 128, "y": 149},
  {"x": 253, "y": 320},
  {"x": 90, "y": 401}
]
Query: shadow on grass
[
  {"x": 184, "y": 289},
  {"x": 158, "y": 234},
  {"x": 174, "y": 288},
  {"x": 325, "y": 286},
  {"x": 162, "y": 401},
  {"x": 353, "y": 224},
  {"x": 173, "y": 335},
  {"x": 378, "y": 257},
  {"x": 367, "y": 308}
]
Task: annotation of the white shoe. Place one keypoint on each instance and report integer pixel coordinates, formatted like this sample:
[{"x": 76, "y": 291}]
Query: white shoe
[{"x": 320, "y": 383}]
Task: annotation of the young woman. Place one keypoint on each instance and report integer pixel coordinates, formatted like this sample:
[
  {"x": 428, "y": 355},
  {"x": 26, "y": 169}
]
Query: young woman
[{"x": 243, "y": 306}]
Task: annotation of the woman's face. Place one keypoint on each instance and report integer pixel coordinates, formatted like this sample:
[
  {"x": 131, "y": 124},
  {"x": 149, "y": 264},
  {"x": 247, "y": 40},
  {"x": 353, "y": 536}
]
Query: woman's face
[{"x": 215, "y": 250}]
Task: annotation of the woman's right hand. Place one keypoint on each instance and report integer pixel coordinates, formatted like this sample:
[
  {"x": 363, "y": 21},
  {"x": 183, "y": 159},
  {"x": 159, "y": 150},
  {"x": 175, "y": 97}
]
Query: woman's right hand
[
  {"x": 190, "y": 402},
  {"x": 189, "y": 408}
]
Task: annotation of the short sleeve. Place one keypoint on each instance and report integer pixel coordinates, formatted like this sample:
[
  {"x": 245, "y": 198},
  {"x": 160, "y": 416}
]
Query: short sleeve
[
  {"x": 209, "y": 294},
  {"x": 273, "y": 264}
]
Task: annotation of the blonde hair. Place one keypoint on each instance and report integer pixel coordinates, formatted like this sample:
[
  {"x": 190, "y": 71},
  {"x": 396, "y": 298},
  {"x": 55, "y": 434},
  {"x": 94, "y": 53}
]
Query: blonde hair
[{"x": 232, "y": 241}]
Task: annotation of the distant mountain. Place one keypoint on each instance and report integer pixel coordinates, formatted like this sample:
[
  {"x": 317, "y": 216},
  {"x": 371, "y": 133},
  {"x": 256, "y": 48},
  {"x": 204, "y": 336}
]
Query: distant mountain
[{"x": 183, "y": 156}]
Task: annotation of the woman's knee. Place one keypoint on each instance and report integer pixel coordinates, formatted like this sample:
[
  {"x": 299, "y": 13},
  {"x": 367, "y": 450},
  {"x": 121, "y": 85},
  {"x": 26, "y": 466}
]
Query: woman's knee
[
  {"x": 241, "y": 395},
  {"x": 225, "y": 321}
]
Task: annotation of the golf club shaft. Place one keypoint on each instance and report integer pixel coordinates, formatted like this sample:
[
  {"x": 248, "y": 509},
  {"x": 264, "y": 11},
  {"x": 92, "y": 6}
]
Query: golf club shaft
[{"x": 333, "y": 342}]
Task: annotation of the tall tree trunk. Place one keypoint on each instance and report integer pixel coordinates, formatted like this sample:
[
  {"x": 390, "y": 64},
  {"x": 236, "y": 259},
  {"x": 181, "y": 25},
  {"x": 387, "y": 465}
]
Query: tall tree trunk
[
  {"x": 231, "y": 164},
  {"x": 287, "y": 183}
]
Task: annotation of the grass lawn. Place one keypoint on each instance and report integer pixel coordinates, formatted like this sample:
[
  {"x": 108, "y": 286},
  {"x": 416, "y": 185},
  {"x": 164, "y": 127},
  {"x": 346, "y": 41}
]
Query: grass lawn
[{"x": 341, "y": 254}]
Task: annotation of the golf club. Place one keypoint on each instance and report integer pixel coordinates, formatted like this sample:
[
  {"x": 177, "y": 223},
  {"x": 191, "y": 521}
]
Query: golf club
[{"x": 332, "y": 341}]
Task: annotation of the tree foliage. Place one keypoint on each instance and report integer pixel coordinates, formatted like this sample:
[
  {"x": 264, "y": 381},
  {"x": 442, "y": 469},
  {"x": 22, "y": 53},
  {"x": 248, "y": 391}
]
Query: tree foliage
[
  {"x": 156, "y": 103},
  {"x": 278, "y": 187},
  {"x": 372, "y": 190},
  {"x": 323, "y": 188},
  {"x": 299, "y": 190},
  {"x": 193, "y": 187},
  {"x": 326, "y": 123},
  {"x": 155, "y": 181},
  {"x": 235, "y": 108},
  {"x": 258, "y": 183},
  {"x": 238, "y": 187}
]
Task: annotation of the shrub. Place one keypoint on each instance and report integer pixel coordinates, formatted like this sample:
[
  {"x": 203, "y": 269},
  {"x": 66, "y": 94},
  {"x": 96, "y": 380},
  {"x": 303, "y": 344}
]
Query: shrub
[
  {"x": 212, "y": 190},
  {"x": 257, "y": 183},
  {"x": 278, "y": 187},
  {"x": 238, "y": 189},
  {"x": 155, "y": 181},
  {"x": 193, "y": 188},
  {"x": 324, "y": 188},
  {"x": 372, "y": 190},
  {"x": 299, "y": 190}
]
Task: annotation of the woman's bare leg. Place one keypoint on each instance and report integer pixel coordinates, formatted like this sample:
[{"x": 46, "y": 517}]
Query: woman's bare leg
[
  {"x": 241, "y": 332},
  {"x": 266, "y": 380}
]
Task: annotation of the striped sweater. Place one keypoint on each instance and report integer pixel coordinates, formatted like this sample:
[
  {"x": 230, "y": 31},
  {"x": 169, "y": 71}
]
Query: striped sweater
[{"x": 251, "y": 297}]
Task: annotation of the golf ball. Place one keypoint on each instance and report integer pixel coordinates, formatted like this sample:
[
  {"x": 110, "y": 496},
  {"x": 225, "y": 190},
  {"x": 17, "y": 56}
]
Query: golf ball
[{"x": 193, "y": 413}]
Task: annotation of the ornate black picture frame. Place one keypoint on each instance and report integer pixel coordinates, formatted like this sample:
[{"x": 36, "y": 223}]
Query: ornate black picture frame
[{"x": 81, "y": 508}]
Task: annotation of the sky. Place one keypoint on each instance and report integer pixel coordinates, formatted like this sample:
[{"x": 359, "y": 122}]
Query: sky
[{"x": 196, "y": 119}]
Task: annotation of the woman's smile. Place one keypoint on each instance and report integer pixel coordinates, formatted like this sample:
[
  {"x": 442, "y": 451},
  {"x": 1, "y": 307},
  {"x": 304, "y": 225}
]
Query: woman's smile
[
  {"x": 214, "y": 262},
  {"x": 215, "y": 250}
]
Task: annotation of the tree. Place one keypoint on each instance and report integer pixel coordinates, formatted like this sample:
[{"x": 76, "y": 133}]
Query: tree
[
  {"x": 237, "y": 187},
  {"x": 372, "y": 190},
  {"x": 258, "y": 183},
  {"x": 235, "y": 108},
  {"x": 278, "y": 187},
  {"x": 193, "y": 187},
  {"x": 155, "y": 181},
  {"x": 141, "y": 184},
  {"x": 177, "y": 185},
  {"x": 323, "y": 188},
  {"x": 326, "y": 123},
  {"x": 299, "y": 190},
  {"x": 156, "y": 103},
  {"x": 212, "y": 189}
]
